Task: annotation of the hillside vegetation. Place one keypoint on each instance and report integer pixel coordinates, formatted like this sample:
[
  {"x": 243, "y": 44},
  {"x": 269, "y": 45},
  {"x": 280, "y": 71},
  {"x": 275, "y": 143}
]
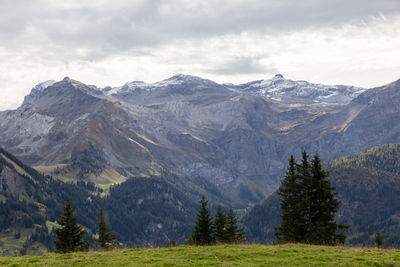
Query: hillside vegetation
[
  {"x": 368, "y": 184},
  {"x": 232, "y": 255},
  {"x": 142, "y": 211}
]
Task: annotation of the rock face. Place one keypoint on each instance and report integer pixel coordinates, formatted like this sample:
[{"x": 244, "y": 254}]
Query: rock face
[{"x": 232, "y": 141}]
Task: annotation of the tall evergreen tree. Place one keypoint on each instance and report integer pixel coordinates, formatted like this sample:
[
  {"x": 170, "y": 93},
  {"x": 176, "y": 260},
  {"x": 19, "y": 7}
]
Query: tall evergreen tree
[
  {"x": 323, "y": 208},
  {"x": 305, "y": 202},
  {"x": 70, "y": 234},
  {"x": 293, "y": 221},
  {"x": 203, "y": 233},
  {"x": 309, "y": 205},
  {"x": 220, "y": 226},
  {"x": 378, "y": 239},
  {"x": 234, "y": 234},
  {"x": 106, "y": 239}
]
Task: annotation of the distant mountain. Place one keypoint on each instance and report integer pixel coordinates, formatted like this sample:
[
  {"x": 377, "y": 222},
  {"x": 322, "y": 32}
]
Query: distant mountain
[
  {"x": 178, "y": 79},
  {"x": 368, "y": 184},
  {"x": 286, "y": 91},
  {"x": 228, "y": 141}
]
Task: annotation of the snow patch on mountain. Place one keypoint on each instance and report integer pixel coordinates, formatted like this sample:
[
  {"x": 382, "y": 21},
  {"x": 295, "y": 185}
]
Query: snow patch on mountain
[
  {"x": 37, "y": 91},
  {"x": 277, "y": 89},
  {"x": 287, "y": 91},
  {"x": 140, "y": 85}
]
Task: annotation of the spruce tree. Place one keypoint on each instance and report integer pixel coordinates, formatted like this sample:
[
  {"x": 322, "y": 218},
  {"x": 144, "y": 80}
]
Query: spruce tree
[
  {"x": 106, "y": 239},
  {"x": 70, "y": 234},
  {"x": 234, "y": 234},
  {"x": 308, "y": 205},
  {"x": 203, "y": 233},
  {"x": 293, "y": 221},
  {"x": 220, "y": 226},
  {"x": 378, "y": 239},
  {"x": 323, "y": 208}
]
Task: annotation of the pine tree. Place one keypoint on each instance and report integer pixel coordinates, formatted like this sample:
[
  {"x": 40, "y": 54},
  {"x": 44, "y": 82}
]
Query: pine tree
[
  {"x": 234, "y": 233},
  {"x": 106, "y": 239},
  {"x": 378, "y": 239},
  {"x": 220, "y": 226},
  {"x": 309, "y": 205},
  {"x": 293, "y": 221},
  {"x": 203, "y": 233},
  {"x": 70, "y": 234},
  {"x": 323, "y": 208}
]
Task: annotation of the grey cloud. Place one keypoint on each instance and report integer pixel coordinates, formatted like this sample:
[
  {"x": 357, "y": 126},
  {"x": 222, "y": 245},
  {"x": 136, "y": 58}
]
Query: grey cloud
[
  {"x": 103, "y": 29},
  {"x": 242, "y": 65}
]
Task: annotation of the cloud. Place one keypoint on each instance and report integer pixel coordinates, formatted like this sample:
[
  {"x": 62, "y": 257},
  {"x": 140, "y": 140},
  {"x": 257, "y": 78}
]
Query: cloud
[
  {"x": 242, "y": 65},
  {"x": 92, "y": 30},
  {"x": 109, "y": 43}
]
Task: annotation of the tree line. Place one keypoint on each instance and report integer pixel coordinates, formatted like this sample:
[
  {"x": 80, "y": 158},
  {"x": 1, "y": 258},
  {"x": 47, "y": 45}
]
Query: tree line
[
  {"x": 223, "y": 229},
  {"x": 70, "y": 234},
  {"x": 308, "y": 203}
]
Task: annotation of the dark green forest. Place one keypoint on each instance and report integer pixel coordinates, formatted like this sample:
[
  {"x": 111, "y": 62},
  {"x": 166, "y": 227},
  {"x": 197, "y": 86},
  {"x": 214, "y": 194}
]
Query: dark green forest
[
  {"x": 153, "y": 211},
  {"x": 368, "y": 186}
]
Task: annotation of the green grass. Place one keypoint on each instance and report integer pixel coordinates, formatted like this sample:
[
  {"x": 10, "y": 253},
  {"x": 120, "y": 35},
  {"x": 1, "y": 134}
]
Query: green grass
[
  {"x": 232, "y": 255},
  {"x": 104, "y": 180},
  {"x": 11, "y": 246}
]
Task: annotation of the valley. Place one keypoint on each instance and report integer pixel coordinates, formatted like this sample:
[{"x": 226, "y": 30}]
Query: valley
[{"x": 145, "y": 153}]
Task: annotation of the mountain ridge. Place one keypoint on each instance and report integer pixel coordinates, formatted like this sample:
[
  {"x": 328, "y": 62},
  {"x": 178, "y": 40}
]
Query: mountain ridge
[{"x": 192, "y": 127}]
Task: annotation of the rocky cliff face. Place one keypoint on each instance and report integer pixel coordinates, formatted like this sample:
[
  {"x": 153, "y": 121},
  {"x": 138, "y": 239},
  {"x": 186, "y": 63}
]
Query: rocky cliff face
[{"x": 229, "y": 140}]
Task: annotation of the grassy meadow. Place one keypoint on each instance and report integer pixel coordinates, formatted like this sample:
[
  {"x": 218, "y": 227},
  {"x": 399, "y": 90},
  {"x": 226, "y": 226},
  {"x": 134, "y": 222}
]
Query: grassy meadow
[{"x": 227, "y": 255}]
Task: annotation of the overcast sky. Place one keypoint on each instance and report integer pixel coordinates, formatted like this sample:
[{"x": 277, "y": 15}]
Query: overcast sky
[{"x": 104, "y": 42}]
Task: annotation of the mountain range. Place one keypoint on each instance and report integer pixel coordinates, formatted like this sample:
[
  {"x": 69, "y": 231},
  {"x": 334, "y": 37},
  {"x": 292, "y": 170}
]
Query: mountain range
[
  {"x": 233, "y": 139},
  {"x": 147, "y": 151}
]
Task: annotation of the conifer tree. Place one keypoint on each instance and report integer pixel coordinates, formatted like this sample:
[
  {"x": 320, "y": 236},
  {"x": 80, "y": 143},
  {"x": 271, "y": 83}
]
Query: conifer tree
[
  {"x": 305, "y": 188},
  {"x": 203, "y": 233},
  {"x": 234, "y": 234},
  {"x": 106, "y": 239},
  {"x": 309, "y": 205},
  {"x": 220, "y": 226},
  {"x": 378, "y": 239},
  {"x": 70, "y": 234},
  {"x": 292, "y": 226},
  {"x": 323, "y": 207}
]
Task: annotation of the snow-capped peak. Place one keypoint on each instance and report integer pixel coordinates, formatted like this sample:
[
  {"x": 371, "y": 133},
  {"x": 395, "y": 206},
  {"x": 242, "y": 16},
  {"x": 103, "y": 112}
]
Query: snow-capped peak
[
  {"x": 140, "y": 85},
  {"x": 37, "y": 90},
  {"x": 43, "y": 85},
  {"x": 288, "y": 91},
  {"x": 278, "y": 77}
]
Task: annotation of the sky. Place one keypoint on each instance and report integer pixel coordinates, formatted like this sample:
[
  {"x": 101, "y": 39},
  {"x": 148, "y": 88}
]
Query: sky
[{"x": 109, "y": 43}]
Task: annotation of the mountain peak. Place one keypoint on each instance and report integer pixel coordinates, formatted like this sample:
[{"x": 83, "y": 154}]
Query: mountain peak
[
  {"x": 292, "y": 92},
  {"x": 177, "y": 79},
  {"x": 37, "y": 90},
  {"x": 278, "y": 77}
]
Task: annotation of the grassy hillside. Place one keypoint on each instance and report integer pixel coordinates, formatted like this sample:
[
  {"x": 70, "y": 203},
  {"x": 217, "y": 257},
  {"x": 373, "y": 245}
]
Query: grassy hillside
[{"x": 233, "y": 255}]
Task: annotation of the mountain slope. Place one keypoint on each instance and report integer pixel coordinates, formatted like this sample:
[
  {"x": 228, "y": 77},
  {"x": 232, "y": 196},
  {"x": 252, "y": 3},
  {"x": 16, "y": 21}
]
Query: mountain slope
[
  {"x": 232, "y": 138},
  {"x": 141, "y": 211},
  {"x": 368, "y": 184},
  {"x": 30, "y": 201}
]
